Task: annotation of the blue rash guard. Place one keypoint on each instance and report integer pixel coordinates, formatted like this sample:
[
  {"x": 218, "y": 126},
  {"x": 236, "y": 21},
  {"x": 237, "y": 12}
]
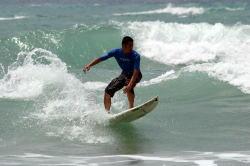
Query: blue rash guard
[{"x": 127, "y": 62}]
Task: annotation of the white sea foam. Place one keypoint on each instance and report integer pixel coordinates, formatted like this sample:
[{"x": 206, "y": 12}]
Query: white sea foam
[
  {"x": 36, "y": 5},
  {"x": 2, "y": 72},
  {"x": 96, "y": 4},
  {"x": 234, "y": 9},
  {"x": 219, "y": 50},
  {"x": 197, "y": 158},
  {"x": 13, "y": 18},
  {"x": 66, "y": 108},
  {"x": 95, "y": 85},
  {"x": 20, "y": 44},
  {"x": 170, "y": 9},
  {"x": 166, "y": 76},
  {"x": 28, "y": 79},
  {"x": 180, "y": 11},
  {"x": 193, "y": 158}
]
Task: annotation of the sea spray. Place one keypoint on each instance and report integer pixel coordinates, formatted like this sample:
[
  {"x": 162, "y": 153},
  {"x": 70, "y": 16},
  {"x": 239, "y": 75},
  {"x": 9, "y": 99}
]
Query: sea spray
[{"x": 218, "y": 50}]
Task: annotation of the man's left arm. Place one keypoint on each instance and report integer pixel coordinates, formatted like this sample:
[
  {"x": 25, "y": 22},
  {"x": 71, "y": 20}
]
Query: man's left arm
[
  {"x": 135, "y": 75},
  {"x": 132, "y": 82}
]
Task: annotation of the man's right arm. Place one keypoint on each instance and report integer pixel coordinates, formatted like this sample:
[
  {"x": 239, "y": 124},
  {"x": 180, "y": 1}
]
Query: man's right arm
[
  {"x": 98, "y": 60},
  {"x": 93, "y": 63}
]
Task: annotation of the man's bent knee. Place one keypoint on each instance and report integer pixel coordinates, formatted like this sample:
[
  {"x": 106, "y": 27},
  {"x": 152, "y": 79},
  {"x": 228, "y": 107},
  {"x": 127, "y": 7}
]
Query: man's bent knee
[
  {"x": 106, "y": 95},
  {"x": 132, "y": 92}
]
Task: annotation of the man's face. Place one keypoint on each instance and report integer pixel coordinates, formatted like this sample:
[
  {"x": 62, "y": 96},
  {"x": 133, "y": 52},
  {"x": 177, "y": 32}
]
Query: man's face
[{"x": 127, "y": 48}]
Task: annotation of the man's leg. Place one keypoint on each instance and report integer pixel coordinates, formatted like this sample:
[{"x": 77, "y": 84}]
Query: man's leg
[
  {"x": 115, "y": 85},
  {"x": 131, "y": 99},
  {"x": 107, "y": 102},
  {"x": 131, "y": 94}
]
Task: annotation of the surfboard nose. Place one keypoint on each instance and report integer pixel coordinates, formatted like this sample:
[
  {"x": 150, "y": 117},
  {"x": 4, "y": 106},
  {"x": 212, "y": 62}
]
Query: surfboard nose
[
  {"x": 134, "y": 113},
  {"x": 156, "y": 98}
]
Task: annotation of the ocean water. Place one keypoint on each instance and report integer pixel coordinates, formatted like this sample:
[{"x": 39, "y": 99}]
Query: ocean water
[{"x": 195, "y": 57}]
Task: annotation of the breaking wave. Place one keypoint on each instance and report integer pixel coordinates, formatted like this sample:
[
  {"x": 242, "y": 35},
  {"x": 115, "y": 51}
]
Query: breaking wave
[
  {"x": 169, "y": 9},
  {"x": 220, "y": 51}
]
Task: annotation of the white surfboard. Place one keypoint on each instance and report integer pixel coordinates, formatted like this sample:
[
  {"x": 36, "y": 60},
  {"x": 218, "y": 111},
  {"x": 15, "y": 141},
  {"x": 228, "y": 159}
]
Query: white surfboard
[{"x": 134, "y": 113}]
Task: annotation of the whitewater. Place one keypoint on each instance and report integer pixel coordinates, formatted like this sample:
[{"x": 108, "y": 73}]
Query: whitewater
[{"x": 194, "y": 56}]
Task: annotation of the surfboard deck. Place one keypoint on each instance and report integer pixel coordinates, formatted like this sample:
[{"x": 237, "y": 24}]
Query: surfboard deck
[{"x": 134, "y": 113}]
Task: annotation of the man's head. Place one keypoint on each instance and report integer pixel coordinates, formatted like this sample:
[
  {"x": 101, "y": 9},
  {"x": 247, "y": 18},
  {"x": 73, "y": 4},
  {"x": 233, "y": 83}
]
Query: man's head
[{"x": 127, "y": 44}]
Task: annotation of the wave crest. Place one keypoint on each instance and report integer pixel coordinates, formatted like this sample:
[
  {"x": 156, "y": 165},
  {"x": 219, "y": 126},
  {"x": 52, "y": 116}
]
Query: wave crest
[
  {"x": 219, "y": 50},
  {"x": 13, "y": 18},
  {"x": 170, "y": 9}
]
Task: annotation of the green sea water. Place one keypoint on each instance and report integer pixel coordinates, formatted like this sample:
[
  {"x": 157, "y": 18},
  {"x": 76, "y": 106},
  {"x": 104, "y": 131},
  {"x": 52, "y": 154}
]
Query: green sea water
[{"x": 194, "y": 56}]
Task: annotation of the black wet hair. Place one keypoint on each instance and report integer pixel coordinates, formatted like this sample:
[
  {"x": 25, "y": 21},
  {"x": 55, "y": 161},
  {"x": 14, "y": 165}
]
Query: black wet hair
[{"x": 126, "y": 40}]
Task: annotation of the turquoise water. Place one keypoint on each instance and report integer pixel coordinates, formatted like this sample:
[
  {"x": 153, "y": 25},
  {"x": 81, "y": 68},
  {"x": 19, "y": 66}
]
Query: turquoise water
[{"x": 194, "y": 57}]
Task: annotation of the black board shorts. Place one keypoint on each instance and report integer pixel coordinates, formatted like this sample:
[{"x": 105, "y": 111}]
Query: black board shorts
[{"x": 119, "y": 82}]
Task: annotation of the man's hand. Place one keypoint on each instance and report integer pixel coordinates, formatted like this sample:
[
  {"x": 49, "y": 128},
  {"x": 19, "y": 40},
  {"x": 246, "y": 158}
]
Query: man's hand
[
  {"x": 127, "y": 89},
  {"x": 131, "y": 82},
  {"x": 127, "y": 81},
  {"x": 86, "y": 68},
  {"x": 93, "y": 63}
]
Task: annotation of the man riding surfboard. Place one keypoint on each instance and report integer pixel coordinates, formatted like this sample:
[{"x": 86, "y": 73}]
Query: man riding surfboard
[{"x": 129, "y": 62}]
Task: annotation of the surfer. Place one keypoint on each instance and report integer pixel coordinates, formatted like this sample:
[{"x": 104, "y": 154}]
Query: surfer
[{"x": 129, "y": 62}]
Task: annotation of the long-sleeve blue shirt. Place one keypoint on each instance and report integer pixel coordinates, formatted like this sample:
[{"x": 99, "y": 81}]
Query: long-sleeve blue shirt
[{"x": 127, "y": 62}]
